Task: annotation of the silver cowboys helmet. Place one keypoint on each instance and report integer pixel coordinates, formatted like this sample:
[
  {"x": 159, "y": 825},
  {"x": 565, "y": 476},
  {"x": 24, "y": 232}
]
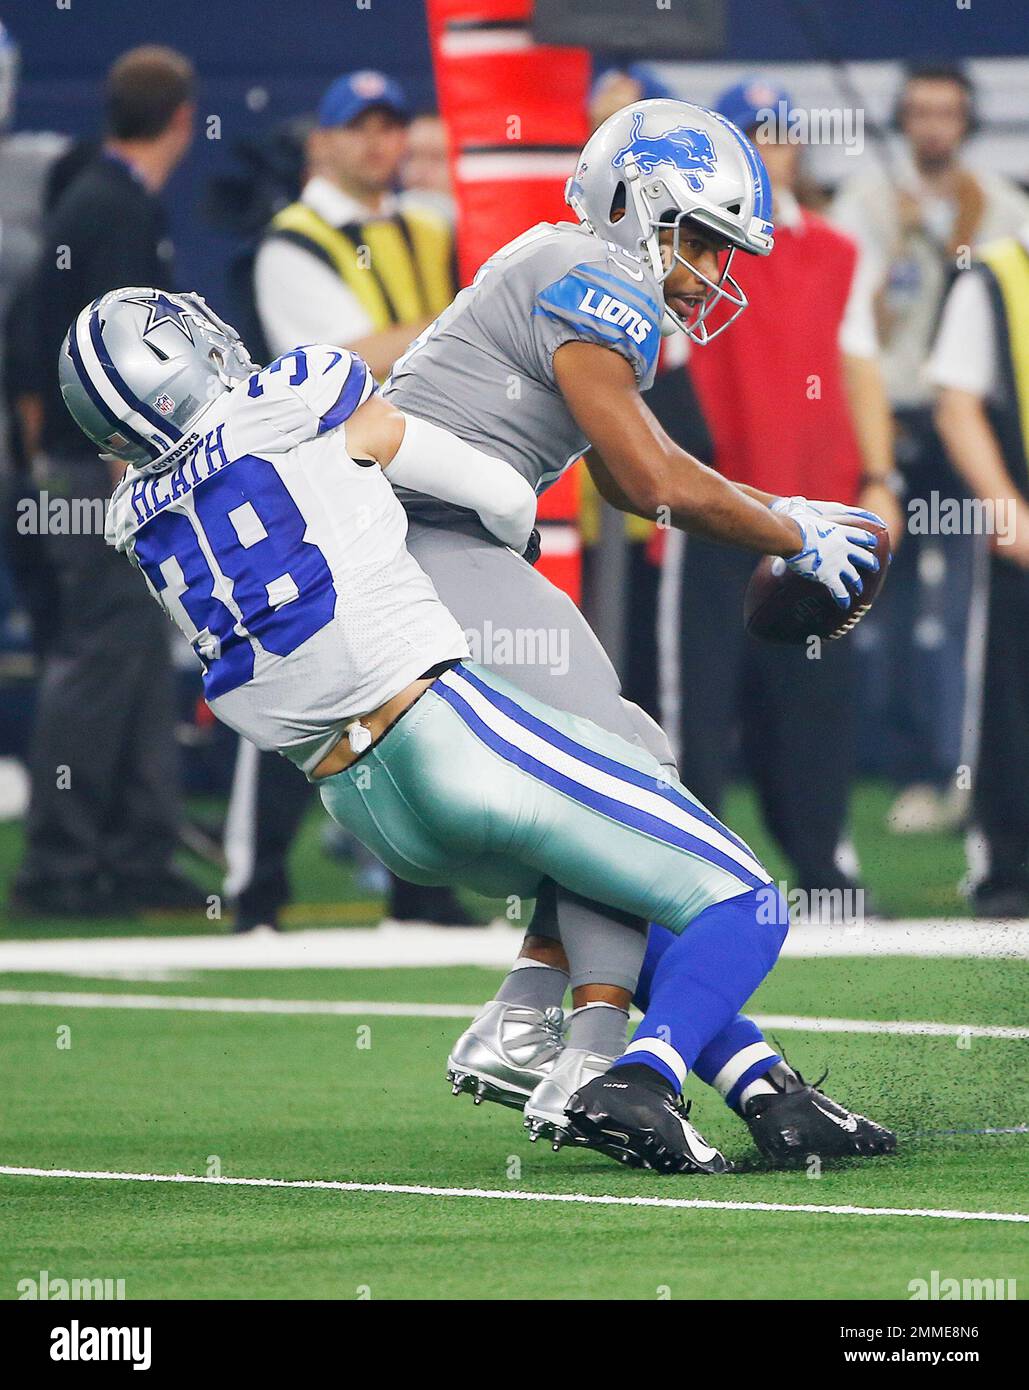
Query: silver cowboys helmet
[
  {"x": 139, "y": 367},
  {"x": 659, "y": 164}
]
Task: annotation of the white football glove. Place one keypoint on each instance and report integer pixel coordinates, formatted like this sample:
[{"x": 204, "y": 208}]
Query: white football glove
[
  {"x": 832, "y": 552},
  {"x": 839, "y": 511}
]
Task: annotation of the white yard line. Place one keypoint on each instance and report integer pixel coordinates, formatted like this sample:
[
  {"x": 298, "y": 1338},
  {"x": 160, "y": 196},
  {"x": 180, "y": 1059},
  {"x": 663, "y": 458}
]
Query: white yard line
[
  {"x": 199, "y": 1004},
  {"x": 349, "y": 1007},
  {"x": 871, "y": 1025},
  {"x": 388, "y": 946},
  {"x": 501, "y": 1195}
]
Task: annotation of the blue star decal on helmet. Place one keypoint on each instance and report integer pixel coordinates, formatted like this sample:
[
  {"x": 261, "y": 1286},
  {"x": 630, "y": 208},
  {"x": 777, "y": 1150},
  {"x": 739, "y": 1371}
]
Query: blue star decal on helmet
[{"x": 163, "y": 309}]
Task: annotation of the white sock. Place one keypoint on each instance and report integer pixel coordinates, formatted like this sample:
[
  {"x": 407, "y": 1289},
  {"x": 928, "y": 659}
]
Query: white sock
[{"x": 760, "y": 1087}]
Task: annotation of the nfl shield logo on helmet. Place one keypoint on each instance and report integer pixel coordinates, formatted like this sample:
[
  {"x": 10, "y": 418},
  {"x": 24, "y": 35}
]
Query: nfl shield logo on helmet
[{"x": 164, "y": 403}]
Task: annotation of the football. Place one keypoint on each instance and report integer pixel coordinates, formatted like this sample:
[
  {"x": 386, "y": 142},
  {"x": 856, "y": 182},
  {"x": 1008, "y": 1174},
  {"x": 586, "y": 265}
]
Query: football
[{"x": 780, "y": 606}]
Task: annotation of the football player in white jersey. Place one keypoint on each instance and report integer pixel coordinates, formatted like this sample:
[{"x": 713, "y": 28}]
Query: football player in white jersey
[{"x": 258, "y": 506}]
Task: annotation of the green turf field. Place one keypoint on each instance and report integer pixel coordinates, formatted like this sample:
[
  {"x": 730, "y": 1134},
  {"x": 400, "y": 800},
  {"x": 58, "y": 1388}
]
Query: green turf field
[{"x": 361, "y": 1099}]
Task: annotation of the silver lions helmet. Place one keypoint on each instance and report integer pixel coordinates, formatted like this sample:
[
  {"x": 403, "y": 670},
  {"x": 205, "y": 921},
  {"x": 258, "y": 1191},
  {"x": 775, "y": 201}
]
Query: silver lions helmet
[
  {"x": 658, "y": 164},
  {"x": 139, "y": 367}
]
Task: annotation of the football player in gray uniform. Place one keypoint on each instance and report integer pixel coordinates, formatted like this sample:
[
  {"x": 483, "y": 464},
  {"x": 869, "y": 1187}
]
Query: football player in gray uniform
[{"x": 542, "y": 360}]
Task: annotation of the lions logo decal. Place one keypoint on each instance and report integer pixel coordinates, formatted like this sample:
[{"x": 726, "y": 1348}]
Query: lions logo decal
[{"x": 690, "y": 151}]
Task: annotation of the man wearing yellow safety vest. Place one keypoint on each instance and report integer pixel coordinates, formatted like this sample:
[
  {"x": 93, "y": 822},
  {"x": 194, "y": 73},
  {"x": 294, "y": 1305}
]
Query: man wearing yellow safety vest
[
  {"x": 980, "y": 364},
  {"x": 345, "y": 264}
]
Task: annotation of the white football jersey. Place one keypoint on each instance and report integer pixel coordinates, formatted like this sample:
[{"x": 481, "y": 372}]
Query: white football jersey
[{"x": 283, "y": 560}]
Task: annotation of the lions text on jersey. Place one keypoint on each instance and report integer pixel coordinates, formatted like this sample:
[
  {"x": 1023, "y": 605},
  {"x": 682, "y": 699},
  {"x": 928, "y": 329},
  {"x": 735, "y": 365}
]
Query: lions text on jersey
[{"x": 283, "y": 560}]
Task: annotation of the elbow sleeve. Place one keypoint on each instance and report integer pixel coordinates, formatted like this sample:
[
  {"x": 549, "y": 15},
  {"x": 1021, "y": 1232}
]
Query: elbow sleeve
[{"x": 431, "y": 460}]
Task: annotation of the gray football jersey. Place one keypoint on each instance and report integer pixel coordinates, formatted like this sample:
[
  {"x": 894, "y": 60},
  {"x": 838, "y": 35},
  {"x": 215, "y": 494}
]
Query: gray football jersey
[{"x": 485, "y": 368}]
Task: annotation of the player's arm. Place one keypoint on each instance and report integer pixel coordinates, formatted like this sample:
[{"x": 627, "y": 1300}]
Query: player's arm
[
  {"x": 611, "y": 492},
  {"x": 642, "y": 470},
  {"x": 425, "y": 458}
]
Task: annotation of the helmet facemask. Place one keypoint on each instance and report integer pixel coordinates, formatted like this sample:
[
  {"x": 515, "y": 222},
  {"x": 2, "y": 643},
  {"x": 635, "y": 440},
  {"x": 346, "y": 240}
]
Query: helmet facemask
[
  {"x": 621, "y": 219},
  {"x": 681, "y": 208},
  {"x": 725, "y": 289},
  {"x": 227, "y": 350}
]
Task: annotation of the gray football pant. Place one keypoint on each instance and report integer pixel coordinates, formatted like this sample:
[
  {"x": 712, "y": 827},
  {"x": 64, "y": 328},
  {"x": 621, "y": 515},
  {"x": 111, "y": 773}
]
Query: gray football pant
[{"x": 520, "y": 625}]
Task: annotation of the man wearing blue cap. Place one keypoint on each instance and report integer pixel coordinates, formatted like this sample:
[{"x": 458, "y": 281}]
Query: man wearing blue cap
[{"x": 344, "y": 264}]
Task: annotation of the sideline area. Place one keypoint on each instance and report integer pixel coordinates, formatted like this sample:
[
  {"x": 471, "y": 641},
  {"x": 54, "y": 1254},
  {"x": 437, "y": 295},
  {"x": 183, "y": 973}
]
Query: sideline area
[{"x": 388, "y": 945}]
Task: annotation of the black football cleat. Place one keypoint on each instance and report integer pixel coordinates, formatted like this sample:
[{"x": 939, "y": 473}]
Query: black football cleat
[
  {"x": 799, "y": 1121},
  {"x": 639, "y": 1126}
]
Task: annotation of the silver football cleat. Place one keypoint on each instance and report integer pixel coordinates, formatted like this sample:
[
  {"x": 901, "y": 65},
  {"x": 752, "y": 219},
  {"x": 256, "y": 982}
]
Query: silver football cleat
[
  {"x": 508, "y": 1050},
  {"x": 545, "y": 1108}
]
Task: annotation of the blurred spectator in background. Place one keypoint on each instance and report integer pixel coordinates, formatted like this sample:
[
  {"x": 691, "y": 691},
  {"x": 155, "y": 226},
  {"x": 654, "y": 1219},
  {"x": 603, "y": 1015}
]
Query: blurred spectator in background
[
  {"x": 425, "y": 172},
  {"x": 980, "y": 364},
  {"x": 26, "y": 161},
  {"x": 913, "y": 221},
  {"x": 104, "y": 813},
  {"x": 615, "y": 88},
  {"x": 795, "y": 403},
  {"x": 347, "y": 264}
]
